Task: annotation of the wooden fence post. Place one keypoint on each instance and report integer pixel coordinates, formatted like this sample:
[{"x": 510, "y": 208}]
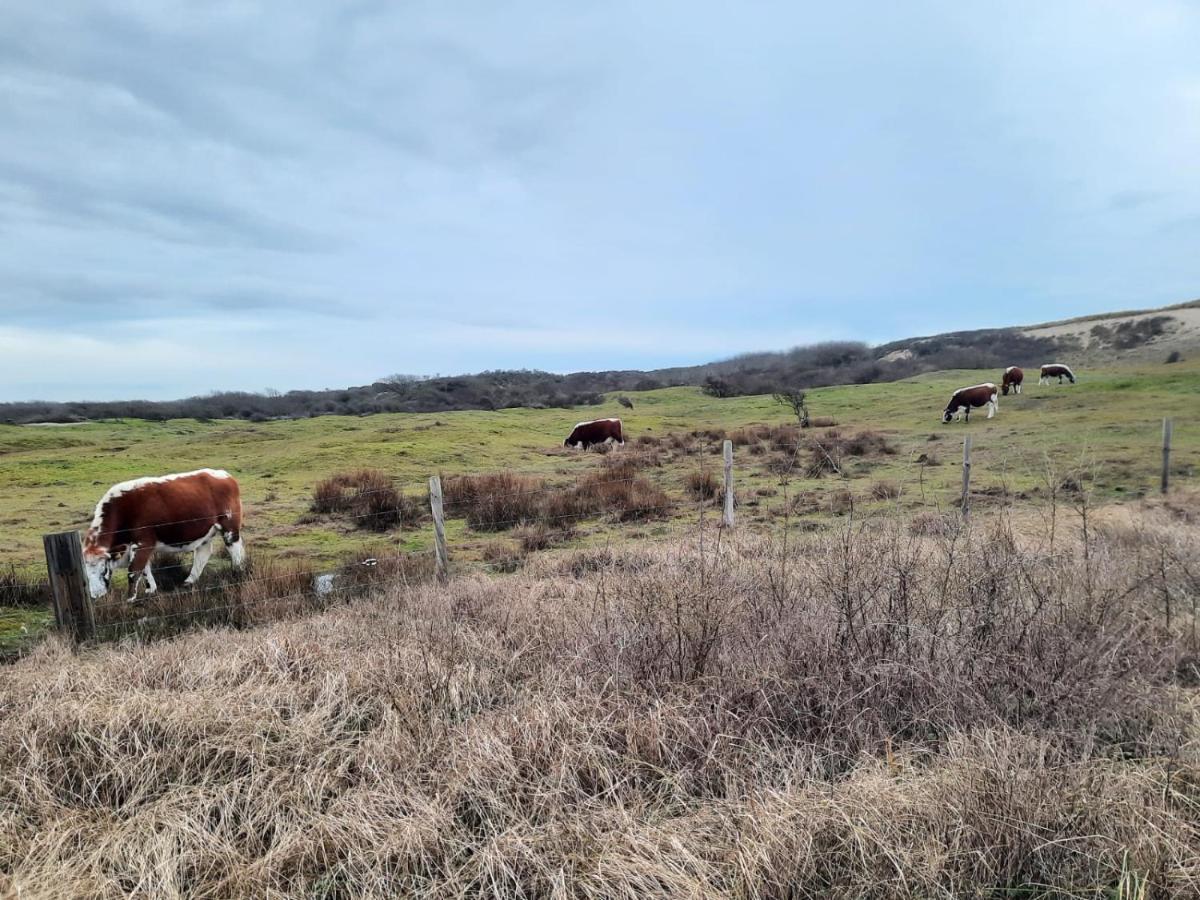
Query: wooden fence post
[
  {"x": 1166, "y": 459},
  {"x": 966, "y": 487},
  {"x": 439, "y": 527},
  {"x": 727, "y": 516},
  {"x": 73, "y": 611}
]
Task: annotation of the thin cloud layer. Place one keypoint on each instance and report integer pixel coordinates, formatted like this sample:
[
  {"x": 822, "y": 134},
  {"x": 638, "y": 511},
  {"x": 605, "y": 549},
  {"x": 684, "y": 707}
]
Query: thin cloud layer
[{"x": 242, "y": 195}]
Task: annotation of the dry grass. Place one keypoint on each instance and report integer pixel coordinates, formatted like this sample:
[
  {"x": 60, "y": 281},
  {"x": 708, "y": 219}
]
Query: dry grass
[
  {"x": 500, "y": 501},
  {"x": 368, "y": 498},
  {"x": 863, "y": 714},
  {"x": 495, "y": 501},
  {"x": 702, "y": 485},
  {"x": 20, "y": 589}
]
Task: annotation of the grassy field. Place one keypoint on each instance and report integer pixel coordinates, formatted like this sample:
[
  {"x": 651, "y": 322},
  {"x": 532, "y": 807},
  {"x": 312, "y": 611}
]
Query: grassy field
[{"x": 51, "y": 477}]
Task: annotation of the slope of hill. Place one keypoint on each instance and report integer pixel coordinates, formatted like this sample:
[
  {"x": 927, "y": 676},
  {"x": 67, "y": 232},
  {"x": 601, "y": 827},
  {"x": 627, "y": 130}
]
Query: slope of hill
[{"x": 1137, "y": 336}]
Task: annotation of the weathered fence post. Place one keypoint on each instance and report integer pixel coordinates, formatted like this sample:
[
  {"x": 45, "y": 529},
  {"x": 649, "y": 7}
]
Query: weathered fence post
[
  {"x": 966, "y": 488},
  {"x": 1166, "y": 459},
  {"x": 439, "y": 527},
  {"x": 727, "y": 516},
  {"x": 73, "y": 610}
]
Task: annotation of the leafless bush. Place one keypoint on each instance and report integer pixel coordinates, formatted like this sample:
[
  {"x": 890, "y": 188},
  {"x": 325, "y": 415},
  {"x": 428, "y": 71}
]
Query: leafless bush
[
  {"x": 702, "y": 485},
  {"x": 885, "y": 490},
  {"x": 501, "y": 556},
  {"x": 368, "y": 498},
  {"x": 828, "y": 452},
  {"x": 493, "y": 502}
]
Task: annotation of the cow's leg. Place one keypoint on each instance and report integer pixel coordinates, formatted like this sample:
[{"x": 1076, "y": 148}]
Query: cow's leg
[
  {"x": 992, "y": 406},
  {"x": 199, "y": 560},
  {"x": 139, "y": 569}
]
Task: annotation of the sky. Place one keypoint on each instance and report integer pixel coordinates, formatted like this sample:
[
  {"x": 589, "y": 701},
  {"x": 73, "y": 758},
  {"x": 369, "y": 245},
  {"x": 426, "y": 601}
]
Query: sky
[{"x": 240, "y": 195}]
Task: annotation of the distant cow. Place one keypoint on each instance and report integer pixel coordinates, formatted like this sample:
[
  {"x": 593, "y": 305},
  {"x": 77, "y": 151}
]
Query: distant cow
[
  {"x": 600, "y": 431},
  {"x": 1012, "y": 380},
  {"x": 965, "y": 399},
  {"x": 1056, "y": 369},
  {"x": 179, "y": 513}
]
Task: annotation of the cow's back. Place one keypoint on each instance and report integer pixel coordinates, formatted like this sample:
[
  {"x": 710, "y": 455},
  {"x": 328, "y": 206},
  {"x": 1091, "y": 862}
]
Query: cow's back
[{"x": 179, "y": 509}]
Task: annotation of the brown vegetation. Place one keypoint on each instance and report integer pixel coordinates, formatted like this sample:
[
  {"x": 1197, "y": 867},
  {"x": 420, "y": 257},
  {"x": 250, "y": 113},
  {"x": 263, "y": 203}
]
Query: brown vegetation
[
  {"x": 500, "y": 501},
  {"x": 368, "y": 498},
  {"x": 861, "y": 715}
]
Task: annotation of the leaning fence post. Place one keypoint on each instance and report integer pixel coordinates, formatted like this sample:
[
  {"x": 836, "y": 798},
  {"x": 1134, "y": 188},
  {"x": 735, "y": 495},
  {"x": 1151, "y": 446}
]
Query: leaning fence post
[
  {"x": 1166, "y": 459},
  {"x": 439, "y": 527},
  {"x": 966, "y": 488},
  {"x": 73, "y": 610},
  {"x": 727, "y": 516}
]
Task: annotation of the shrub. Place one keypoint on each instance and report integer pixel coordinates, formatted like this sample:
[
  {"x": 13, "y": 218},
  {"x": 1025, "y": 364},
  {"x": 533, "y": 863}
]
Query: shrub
[
  {"x": 885, "y": 490},
  {"x": 17, "y": 589},
  {"x": 501, "y": 556},
  {"x": 702, "y": 485},
  {"x": 493, "y": 502},
  {"x": 368, "y": 498}
]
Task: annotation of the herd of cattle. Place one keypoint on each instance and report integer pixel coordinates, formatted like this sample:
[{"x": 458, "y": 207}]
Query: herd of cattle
[
  {"x": 987, "y": 394},
  {"x": 187, "y": 512}
]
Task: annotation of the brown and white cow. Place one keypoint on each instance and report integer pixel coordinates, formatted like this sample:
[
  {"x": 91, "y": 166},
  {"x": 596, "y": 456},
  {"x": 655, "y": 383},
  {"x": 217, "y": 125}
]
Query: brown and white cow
[
  {"x": 965, "y": 399},
  {"x": 1052, "y": 370},
  {"x": 1012, "y": 380},
  {"x": 599, "y": 431},
  {"x": 180, "y": 513}
]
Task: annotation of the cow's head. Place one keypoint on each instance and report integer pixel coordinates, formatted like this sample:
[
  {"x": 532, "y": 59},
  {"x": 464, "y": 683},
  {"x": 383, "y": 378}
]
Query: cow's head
[
  {"x": 1004, "y": 389},
  {"x": 99, "y": 567},
  {"x": 948, "y": 414}
]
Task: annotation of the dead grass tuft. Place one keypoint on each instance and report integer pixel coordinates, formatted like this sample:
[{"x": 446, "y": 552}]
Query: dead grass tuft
[{"x": 368, "y": 498}]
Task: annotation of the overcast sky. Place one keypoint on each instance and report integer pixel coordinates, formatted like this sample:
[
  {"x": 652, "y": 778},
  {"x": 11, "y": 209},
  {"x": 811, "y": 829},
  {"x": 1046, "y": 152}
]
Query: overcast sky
[{"x": 202, "y": 196}]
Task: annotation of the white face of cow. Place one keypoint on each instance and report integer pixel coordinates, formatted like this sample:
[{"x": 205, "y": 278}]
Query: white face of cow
[{"x": 99, "y": 574}]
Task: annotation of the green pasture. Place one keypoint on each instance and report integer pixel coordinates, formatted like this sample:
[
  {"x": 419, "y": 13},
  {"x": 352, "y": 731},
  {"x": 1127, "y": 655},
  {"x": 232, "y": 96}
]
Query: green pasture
[{"x": 51, "y": 477}]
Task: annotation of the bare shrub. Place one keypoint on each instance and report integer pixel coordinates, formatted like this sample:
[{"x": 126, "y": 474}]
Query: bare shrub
[
  {"x": 931, "y": 524},
  {"x": 828, "y": 452},
  {"x": 626, "y": 498},
  {"x": 368, "y": 498},
  {"x": 885, "y": 490},
  {"x": 702, "y": 485},
  {"x": 541, "y": 536},
  {"x": 501, "y": 556},
  {"x": 751, "y": 434},
  {"x": 495, "y": 501}
]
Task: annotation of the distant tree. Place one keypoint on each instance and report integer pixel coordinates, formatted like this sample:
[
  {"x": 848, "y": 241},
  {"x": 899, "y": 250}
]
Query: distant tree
[
  {"x": 717, "y": 387},
  {"x": 794, "y": 399}
]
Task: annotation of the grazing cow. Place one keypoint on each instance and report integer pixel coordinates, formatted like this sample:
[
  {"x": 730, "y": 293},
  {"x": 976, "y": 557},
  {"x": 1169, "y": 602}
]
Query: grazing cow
[
  {"x": 601, "y": 431},
  {"x": 1013, "y": 378},
  {"x": 179, "y": 513},
  {"x": 1050, "y": 370},
  {"x": 965, "y": 399}
]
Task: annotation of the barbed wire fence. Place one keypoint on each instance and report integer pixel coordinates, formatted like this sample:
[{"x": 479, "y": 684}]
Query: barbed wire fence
[{"x": 275, "y": 587}]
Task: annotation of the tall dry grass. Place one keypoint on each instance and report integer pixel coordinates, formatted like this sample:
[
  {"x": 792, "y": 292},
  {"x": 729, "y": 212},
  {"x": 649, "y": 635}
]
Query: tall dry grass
[{"x": 856, "y": 714}]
